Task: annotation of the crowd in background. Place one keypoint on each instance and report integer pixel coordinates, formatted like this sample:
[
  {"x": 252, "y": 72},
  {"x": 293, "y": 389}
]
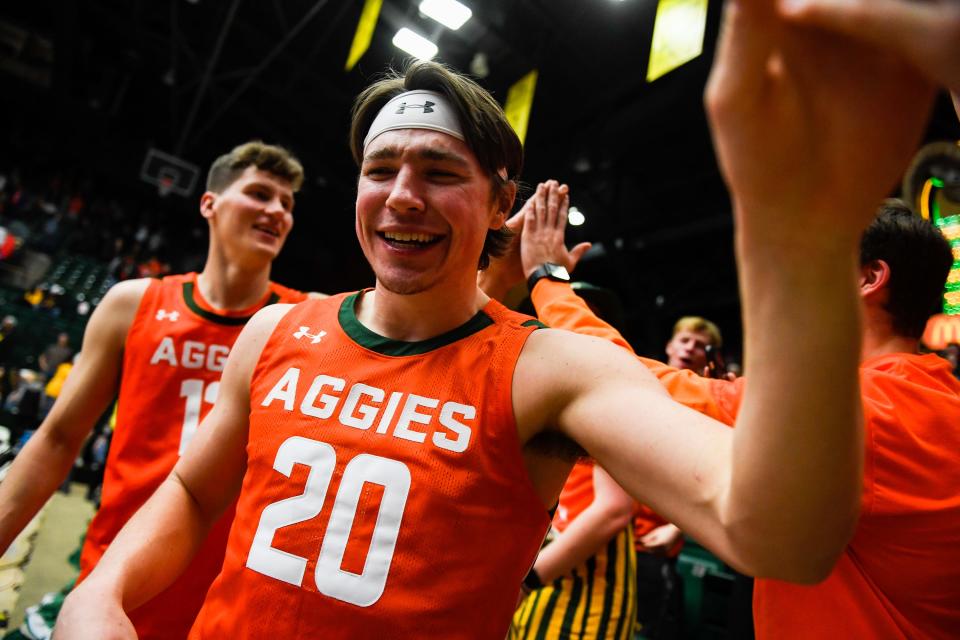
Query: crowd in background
[{"x": 57, "y": 211}]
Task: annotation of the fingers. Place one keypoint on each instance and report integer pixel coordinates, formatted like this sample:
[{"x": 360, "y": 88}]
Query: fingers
[
  {"x": 515, "y": 222},
  {"x": 925, "y": 33},
  {"x": 553, "y": 203},
  {"x": 547, "y": 207},
  {"x": 564, "y": 193},
  {"x": 739, "y": 76},
  {"x": 534, "y": 214},
  {"x": 882, "y": 22}
]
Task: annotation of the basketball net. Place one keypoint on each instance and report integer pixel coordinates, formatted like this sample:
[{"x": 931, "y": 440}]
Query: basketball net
[{"x": 165, "y": 186}]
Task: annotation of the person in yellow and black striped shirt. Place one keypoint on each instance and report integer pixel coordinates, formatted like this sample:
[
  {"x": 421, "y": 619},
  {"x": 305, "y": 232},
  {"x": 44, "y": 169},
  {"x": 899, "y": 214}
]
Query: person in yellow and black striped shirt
[{"x": 583, "y": 584}]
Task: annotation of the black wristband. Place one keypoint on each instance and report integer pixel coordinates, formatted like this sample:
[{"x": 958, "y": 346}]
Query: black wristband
[
  {"x": 532, "y": 581},
  {"x": 550, "y": 270}
]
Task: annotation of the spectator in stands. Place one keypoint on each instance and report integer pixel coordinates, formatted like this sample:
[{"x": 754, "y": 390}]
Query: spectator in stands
[
  {"x": 55, "y": 354},
  {"x": 687, "y": 348},
  {"x": 36, "y": 295},
  {"x": 658, "y": 542},
  {"x": 52, "y": 389},
  {"x": 8, "y": 328}
]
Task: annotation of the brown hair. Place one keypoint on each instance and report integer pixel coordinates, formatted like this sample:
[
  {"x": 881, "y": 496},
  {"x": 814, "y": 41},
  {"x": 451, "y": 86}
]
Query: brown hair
[
  {"x": 485, "y": 129},
  {"x": 266, "y": 157},
  {"x": 697, "y": 324}
]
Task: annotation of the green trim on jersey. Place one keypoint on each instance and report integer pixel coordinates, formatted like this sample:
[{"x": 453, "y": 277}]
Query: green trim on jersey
[
  {"x": 388, "y": 347},
  {"x": 232, "y": 321},
  {"x": 533, "y": 322}
]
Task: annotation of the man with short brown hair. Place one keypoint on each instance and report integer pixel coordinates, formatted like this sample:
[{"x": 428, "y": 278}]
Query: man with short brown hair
[{"x": 161, "y": 344}]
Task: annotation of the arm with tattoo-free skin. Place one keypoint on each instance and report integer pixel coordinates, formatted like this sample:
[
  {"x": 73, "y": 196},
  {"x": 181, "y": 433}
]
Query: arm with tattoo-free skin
[
  {"x": 777, "y": 496},
  {"x": 45, "y": 461},
  {"x": 589, "y": 532},
  {"x": 159, "y": 541}
]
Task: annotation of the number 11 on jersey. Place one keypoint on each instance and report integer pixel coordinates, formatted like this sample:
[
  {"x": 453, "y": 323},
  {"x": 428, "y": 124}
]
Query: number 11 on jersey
[{"x": 196, "y": 394}]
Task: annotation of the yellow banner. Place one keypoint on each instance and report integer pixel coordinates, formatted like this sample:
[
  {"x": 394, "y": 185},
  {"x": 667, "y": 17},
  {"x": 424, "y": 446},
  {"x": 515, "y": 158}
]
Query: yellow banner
[
  {"x": 520, "y": 102},
  {"x": 364, "y": 34},
  {"x": 677, "y": 35}
]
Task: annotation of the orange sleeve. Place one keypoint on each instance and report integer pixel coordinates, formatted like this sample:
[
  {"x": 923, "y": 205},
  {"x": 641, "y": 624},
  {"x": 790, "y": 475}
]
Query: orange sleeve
[{"x": 559, "y": 307}]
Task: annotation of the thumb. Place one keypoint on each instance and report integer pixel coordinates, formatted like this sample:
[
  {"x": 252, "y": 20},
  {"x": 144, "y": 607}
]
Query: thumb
[
  {"x": 515, "y": 222},
  {"x": 886, "y": 23},
  {"x": 577, "y": 252}
]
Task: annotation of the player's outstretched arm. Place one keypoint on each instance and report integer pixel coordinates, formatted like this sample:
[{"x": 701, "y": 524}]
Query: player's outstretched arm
[
  {"x": 589, "y": 532},
  {"x": 777, "y": 496},
  {"x": 48, "y": 456},
  {"x": 159, "y": 541}
]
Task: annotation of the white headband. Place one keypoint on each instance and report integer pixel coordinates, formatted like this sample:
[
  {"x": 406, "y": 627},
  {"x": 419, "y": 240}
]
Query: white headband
[{"x": 416, "y": 110}]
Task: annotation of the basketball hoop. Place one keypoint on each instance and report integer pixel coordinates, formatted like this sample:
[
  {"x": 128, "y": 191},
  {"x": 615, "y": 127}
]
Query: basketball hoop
[{"x": 169, "y": 174}]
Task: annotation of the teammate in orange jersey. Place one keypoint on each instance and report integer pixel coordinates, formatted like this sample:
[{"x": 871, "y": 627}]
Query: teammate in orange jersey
[
  {"x": 163, "y": 345},
  {"x": 398, "y": 448},
  {"x": 900, "y": 575},
  {"x": 578, "y": 564}
]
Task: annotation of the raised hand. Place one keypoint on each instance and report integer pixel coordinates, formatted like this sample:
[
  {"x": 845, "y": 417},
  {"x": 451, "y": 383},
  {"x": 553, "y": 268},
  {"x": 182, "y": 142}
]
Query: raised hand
[
  {"x": 811, "y": 128},
  {"x": 660, "y": 540},
  {"x": 926, "y": 33},
  {"x": 545, "y": 220}
]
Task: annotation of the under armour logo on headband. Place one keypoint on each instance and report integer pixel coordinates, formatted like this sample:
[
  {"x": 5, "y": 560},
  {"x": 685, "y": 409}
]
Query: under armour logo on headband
[
  {"x": 427, "y": 107},
  {"x": 418, "y": 109}
]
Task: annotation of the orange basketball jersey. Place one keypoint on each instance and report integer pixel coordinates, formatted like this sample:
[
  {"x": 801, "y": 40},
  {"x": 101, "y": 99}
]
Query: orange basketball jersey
[
  {"x": 385, "y": 494},
  {"x": 173, "y": 357},
  {"x": 577, "y": 494}
]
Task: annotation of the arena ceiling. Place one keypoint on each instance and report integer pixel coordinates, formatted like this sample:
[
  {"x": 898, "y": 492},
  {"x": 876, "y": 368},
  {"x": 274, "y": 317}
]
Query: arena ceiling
[{"x": 98, "y": 82}]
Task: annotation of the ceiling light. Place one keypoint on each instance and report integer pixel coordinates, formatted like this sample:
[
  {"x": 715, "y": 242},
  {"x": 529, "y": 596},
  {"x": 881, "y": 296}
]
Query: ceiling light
[
  {"x": 574, "y": 217},
  {"x": 449, "y": 13},
  {"x": 414, "y": 44}
]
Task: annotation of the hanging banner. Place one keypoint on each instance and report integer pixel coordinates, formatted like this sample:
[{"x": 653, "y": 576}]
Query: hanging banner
[
  {"x": 678, "y": 32},
  {"x": 364, "y": 34},
  {"x": 520, "y": 102}
]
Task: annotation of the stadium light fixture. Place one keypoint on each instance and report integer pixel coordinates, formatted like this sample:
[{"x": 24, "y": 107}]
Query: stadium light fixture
[
  {"x": 575, "y": 217},
  {"x": 449, "y": 13},
  {"x": 414, "y": 44}
]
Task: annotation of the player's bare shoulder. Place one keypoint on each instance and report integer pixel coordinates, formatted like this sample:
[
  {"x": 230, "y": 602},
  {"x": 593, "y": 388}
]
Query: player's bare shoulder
[
  {"x": 556, "y": 355},
  {"x": 115, "y": 313},
  {"x": 246, "y": 350},
  {"x": 556, "y": 367},
  {"x": 126, "y": 295}
]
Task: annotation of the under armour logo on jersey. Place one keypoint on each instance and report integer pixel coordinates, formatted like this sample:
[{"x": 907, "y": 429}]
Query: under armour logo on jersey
[
  {"x": 303, "y": 333},
  {"x": 426, "y": 106},
  {"x": 172, "y": 316}
]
